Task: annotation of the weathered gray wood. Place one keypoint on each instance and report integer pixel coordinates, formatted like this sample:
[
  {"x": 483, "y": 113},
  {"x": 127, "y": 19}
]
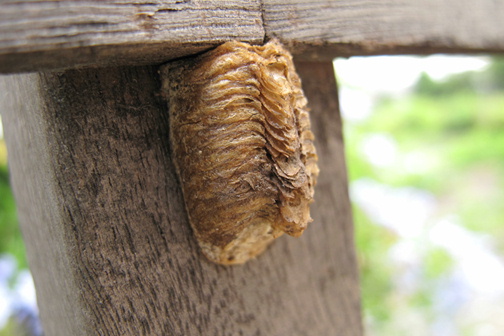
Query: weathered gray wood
[
  {"x": 107, "y": 236},
  {"x": 38, "y": 35},
  {"x": 32, "y": 169},
  {"x": 325, "y": 28}
]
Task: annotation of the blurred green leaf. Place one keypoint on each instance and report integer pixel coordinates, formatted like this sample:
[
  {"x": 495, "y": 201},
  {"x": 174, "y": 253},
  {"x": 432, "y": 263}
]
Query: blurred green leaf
[{"x": 11, "y": 240}]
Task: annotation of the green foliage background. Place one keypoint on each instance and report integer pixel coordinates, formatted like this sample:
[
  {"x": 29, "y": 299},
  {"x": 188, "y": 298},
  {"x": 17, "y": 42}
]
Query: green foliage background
[
  {"x": 455, "y": 129},
  {"x": 10, "y": 236}
]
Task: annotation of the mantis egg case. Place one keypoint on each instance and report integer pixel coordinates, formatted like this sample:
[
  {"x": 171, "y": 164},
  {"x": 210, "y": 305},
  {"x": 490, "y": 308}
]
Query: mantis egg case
[{"x": 242, "y": 147}]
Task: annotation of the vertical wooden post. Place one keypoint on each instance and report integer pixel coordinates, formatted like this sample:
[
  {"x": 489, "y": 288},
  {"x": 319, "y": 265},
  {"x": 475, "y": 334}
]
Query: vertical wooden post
[
  {"x": 107, "y": 236},
  {"x": 332, "y": 211}
]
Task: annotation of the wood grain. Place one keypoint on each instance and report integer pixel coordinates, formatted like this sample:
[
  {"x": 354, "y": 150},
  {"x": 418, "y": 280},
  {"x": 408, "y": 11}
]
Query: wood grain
[
  {"x": 108, "y": 240},
  {"x": 37, "y": 35},
  {"x": 41, "y": 35},
  {"x": 325, "y": 28}
]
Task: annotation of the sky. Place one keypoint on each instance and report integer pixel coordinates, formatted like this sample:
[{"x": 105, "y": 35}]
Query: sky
[
  {"x": 394, "y": 74},
  {"x": 363, "y": 79}
]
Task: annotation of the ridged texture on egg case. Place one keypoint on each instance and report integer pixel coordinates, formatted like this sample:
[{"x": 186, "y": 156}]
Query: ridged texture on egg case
[{"x": 242, "y": 147}]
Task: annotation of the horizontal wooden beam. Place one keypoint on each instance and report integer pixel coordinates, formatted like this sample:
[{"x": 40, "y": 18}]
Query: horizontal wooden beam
[
  {"x": 321, "y": 28},
  {"x": 38, "y": 35},
  {"x": 45, "y": 35}
]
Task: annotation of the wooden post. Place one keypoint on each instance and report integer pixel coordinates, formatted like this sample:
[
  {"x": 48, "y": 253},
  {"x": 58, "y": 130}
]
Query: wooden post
[{"x": 107, "y": 236}]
